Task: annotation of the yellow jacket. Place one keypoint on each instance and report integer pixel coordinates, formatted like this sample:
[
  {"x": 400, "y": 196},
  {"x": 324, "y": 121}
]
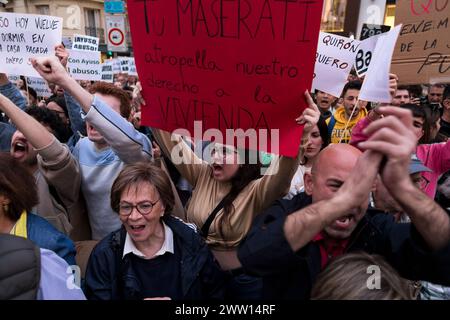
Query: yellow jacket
[{"x": 340, "y": 122}]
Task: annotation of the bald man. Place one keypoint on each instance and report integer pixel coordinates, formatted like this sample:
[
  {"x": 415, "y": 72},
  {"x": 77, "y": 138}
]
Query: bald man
[{"x": 292, "y": 241}]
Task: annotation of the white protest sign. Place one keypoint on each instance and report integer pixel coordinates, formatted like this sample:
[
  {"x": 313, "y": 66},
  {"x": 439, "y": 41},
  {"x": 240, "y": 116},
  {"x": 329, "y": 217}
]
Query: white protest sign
[
  {"x": 375, "y": 87},
  {"x": 365, "y": 54},
  {"x": 23, "y": 36},
  {"x": 116, "y": 66},
  {"x": 334, "y": 60},
  {"x": 13, "y": 78},
  {"x": 132, "y": 68},
  {"x": 107, "y": 71},
  {"x": 124, "y": 64},
  {"x": 84, "y": 65},
  {"x": 85, "y": 43},
  {"x": 40, "y": 86}
]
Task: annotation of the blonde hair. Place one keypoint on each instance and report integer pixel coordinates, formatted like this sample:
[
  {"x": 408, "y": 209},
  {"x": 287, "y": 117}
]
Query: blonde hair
[{"x": 347, "y": 278}]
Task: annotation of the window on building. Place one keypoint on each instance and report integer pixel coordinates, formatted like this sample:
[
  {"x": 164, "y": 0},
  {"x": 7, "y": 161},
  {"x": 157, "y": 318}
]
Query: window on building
[
  {"x": 92, "y": 24},
  {"x": 333, "y": 15},
  {"x": 43, "y": 9}
]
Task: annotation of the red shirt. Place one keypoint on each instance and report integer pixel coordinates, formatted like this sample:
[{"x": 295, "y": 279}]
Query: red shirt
[{"x": 332, "y": 248}]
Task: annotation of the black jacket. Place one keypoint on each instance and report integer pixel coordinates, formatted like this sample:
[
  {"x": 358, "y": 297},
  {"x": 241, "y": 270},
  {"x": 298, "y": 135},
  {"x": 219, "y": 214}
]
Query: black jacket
[
  {"x": 290, "y": 275},
  {"x": 109, "y": 277},
  {"x": 20, "y": 268}
]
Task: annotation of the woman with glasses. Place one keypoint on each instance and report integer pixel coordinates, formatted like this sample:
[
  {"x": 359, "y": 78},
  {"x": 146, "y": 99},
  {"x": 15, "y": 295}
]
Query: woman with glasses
[{"x": 154, "y": 255}]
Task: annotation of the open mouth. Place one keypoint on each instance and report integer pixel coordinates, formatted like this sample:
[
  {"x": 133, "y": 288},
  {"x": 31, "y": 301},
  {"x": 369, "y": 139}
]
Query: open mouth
[
  {"x": 137, "y": 228},
  {"x": 20, "y": 148},
  {"x": 345, "y": 222}
]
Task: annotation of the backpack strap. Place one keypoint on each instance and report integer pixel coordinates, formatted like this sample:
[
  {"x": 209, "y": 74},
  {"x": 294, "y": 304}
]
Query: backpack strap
[{"x": 205, "y": 228}]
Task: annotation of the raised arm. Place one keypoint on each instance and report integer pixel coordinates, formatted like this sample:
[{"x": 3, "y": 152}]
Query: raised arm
[
  {"x": 301, "y": 226},
  {"x": 55, "y": 160},
  {"x": 76, "y": 121},
  {"x": 37, "y": 134},
  {"x": 181, "y": 155},
  {"x": 129, "y": 144},
  {"x": 10, "y": 91},
  {"x": 393, "y": 137},
  {"x": 276, "y": 181}
]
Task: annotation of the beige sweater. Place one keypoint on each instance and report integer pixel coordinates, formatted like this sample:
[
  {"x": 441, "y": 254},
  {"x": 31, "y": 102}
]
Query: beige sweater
[{"x": 208, "y": 192}]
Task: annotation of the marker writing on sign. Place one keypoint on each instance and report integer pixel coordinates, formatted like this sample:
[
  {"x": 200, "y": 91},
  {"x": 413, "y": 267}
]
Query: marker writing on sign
[{"x": 231, "y": 19}]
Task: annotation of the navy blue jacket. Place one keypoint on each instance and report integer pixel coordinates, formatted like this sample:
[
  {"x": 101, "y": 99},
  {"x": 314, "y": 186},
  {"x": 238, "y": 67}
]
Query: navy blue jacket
[
  {"x": 109, "y": 277},
  {"x": 290, "y": 275},
  {"x": 44, "y": 235}
]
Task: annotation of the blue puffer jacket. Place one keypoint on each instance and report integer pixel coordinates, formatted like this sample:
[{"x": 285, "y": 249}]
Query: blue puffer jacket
[
  {"x": 44, "y": 235},
  {"x": 109, "y": 277}
]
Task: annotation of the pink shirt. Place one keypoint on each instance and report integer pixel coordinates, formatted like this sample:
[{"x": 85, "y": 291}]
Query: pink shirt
[{"x": 434, "y": 156}]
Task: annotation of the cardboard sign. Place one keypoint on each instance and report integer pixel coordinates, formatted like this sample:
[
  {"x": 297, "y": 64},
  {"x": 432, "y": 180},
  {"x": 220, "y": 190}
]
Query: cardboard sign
[
  {"x": 84, "y": 65},
  {"x": 334, "y": 60},
  {"x": 422, "y": 54},
  {"x": 375, "y": 87},
  {"x": 40, "y": 86},
  {"x": 107, "y": 71},
  {"x": 208, "y": 66},
  {"x": 370, "y": 30},
  {"x": 23, "y": 36},
  {"x": 85, "y": 43}
]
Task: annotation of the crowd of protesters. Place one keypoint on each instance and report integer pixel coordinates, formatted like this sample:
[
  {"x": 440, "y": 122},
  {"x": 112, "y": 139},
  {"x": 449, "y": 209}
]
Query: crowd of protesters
[{"x": 94, "y": 191}]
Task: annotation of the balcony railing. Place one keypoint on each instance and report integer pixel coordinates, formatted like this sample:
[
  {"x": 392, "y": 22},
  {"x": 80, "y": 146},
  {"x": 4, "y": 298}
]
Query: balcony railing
[{"x": 96, "y": 32}]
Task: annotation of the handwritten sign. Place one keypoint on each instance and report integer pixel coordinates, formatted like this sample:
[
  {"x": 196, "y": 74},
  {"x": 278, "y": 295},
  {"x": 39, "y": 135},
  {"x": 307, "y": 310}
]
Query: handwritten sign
[
  {"x": 40, "y": 86},
  {"x": 84, "y": 65},
  {"x": 422, "y": 54},
  {"x": 334, "y": 60},
  {"x": 85, "y": 43},
  {"x": 23, "y": 36},
  {"x": 227, "y": 65},
  {"x": 107, "y": 71},
  {"x": 375, "y": 87}
]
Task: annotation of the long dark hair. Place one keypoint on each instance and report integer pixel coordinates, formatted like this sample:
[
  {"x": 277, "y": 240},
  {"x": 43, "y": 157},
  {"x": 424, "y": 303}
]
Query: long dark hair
[
  {"x": 323, "y": 130},
  {"x": 247, "y": 172}
]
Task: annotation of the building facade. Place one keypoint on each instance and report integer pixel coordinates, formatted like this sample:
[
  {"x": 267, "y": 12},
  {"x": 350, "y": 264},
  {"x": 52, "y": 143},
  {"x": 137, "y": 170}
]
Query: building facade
[{"x": 85, "y": 17}]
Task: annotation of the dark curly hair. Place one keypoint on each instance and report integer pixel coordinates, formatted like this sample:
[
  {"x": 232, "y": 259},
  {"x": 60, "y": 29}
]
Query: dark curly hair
[
  {"x": 18, "y": 185},
  {"x": 51, "y": 119}
]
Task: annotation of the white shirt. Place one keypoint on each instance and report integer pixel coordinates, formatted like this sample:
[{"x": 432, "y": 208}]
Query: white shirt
[{"x": 167, "y": 246}]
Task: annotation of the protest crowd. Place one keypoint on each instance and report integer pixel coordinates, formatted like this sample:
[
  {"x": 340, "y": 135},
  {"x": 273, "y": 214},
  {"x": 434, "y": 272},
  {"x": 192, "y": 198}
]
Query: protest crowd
[{"x": 127, "y": 211}]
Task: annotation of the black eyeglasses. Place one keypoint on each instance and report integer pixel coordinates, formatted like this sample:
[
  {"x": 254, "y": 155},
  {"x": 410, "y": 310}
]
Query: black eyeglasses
[{"x": 144, "y": 207}]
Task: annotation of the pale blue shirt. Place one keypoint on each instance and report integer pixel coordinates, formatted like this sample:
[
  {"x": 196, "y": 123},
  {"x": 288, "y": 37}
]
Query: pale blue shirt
[{"x": 57, "y": 280}]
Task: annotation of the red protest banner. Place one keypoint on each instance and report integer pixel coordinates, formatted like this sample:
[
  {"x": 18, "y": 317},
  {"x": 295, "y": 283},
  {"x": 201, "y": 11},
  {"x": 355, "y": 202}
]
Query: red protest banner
[{"x": 239, "y": 64}]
